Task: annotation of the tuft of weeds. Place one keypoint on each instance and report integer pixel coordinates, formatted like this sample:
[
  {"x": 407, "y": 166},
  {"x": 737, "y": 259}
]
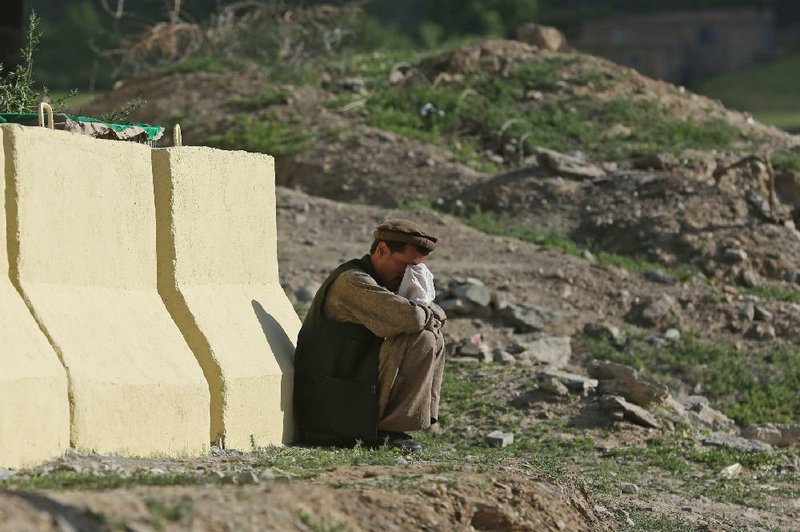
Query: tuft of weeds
[{"x": 162, "y": 512}]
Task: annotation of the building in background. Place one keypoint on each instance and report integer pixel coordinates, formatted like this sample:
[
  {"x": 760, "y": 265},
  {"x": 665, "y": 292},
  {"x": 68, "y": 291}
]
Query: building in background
[{"x": 683, "y": 46}]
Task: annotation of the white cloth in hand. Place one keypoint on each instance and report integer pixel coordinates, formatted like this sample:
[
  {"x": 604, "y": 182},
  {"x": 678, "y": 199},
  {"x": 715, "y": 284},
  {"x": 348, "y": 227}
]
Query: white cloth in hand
[{"x": 417, "y": 285}]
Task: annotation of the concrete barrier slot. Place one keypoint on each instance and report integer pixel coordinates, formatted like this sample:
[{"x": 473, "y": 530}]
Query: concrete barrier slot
[{"x": 218, "y": 276}]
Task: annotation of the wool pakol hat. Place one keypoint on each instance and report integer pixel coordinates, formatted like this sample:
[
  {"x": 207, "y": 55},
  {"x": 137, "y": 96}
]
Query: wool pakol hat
[{"x": 405, "y": 231}]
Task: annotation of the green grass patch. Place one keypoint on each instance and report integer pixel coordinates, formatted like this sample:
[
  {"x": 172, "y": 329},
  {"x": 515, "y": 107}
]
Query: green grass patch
[
  {"x": 776, "y": 293},
  {"x": 748, "y": 386},
  {"x": 787, "y": 160},
  {"x": 263, "y": 135},
  {"x": 767, "y": 90},
  {"x": 270, "y": 96},
  {"x": 491, "y": 111},
  {"x": 68, "y": 480},
  {"x": 491, "y": 224}
]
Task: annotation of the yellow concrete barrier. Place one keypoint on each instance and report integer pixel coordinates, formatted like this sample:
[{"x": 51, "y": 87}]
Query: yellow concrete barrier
[
  {"x": 85, "y": 262},
  {"x": 34, "y": 410},
  {"x": 218, "y": 275}
]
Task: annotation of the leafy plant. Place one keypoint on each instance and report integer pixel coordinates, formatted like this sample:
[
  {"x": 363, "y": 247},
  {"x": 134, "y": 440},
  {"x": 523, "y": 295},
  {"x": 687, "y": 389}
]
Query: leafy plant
[
  {"x": 123, "y": 113},
  {"x": 17, "y": 93}
]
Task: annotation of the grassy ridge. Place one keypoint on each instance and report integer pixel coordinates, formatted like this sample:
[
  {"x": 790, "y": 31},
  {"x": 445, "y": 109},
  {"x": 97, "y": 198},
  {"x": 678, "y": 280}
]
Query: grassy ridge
[{"x": 769, "y": 91}]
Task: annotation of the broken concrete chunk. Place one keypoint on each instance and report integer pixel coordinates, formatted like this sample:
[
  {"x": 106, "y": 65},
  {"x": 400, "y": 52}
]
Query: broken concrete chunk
[{"x": 499, "y": 439}]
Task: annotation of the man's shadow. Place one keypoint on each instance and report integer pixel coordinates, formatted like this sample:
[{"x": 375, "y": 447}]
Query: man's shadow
[{"x": 282, "y": 348}]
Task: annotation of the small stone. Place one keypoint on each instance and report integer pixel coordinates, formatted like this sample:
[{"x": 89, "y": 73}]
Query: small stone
[
  {"x": 247, "y": 477},
  {"x": 734, "y": 255},
  {"x": 306, "y": 293},
  {"x": 657, "y": 276},
  {"x": 629, "y": 488},
  {"x": 588, "y": 255},
  {"x": 267, "y": 475},
  {"x": 229, "y": 479},
  {"x": 673, "y": 335},
  {"x": 217, "y": 476},
  {"x": 748, "y": 278},
  {"x": 721, "y": 439},
  {"x": 747, "y": 312},
  {"x": 731, "y": 471},
  {"x": 552, "y": 385},
  {"x": 503, "y": 357},
  {"x": 600, "y": 330},
  {"x": 762, "y": 331},
  {"x": 687, "y": 509},
  {"x": 476, "y": 294},
  {"x": 401, "y": 461},
  {"x": 554, "y": 351},
  {"x": 761, "y": 314},
  {"x": 6, "y": 474},
  {"x": 575, "y": 383},
  {"x": 498, "y": 438}
]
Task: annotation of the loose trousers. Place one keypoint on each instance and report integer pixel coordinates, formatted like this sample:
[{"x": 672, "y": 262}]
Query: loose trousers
[{"x": 409, "y": 381}]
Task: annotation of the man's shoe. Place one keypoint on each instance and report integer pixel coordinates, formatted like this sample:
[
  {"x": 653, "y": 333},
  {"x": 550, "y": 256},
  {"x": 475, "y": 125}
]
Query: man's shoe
[{"x": 399, "y": 440}]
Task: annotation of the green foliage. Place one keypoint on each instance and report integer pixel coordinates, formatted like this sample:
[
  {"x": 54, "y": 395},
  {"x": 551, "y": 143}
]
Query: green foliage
[
  {"x": 263, "y": 135},
  {"x": 767, "y": 90},
  {"x": 123, "y": 113},
  {"x": 270, "y": 96},
  {"x": 319, "y": 525},
  {"x": 747, "y": 386},
  {"x": 773, "y": 292},
  {"x": 198, "y": 63},
  {"x": 491, "y": 112},
  {"x": 787, "y": 160},
  {"x": 490, "y": 223},
  {"x": 68, "y": 480},
  {"x": 17, "y": 94}
]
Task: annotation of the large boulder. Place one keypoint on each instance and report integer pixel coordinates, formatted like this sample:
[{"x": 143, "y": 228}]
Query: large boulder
[{"x": 545, "y": 37}]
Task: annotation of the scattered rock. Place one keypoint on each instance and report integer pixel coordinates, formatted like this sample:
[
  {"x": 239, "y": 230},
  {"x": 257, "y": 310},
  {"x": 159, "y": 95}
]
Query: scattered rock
[
  {"x": 629, "y": 488},
  {"x": 503, "y": 357},
  {"x": 618, "y": 379},
  {"x": 673, "y": 335},
  {"x": 575, "y": 383},
  {"x": 653, "y": 312},
  {"x": 565, "y": 165},
  {"x": 657, "y": 276},
  {"x": 6, "y": 474},
  {"x": 761, "y": 314},
  {"x": 554, "y": 351},
  {"x": 656, "y": 161},
  {"x": 527, "y": 318},
  {"x": 731, "y": 471},
  {"x": 247, "y": 477},
  {"x": 734, "y": 255},
  {"x": 747, "y": 312},
  {"x": 748, "y": 278},
  {"x": 703, "y": 416},
  {"x": 762, "y": 331},
  {"x": 472, "y": 293},
  {"x": 545, "y": 37},
  {"x": 552, "y": 385},
  {"x": 619, "y": 408},
  {"x": 603, "y": 330},
  {"x": 773, "y": 434},
  {"x": 721, "y": 439},
  {"x": 499, "y": 438},
  {"x": 306, "y": 293}
]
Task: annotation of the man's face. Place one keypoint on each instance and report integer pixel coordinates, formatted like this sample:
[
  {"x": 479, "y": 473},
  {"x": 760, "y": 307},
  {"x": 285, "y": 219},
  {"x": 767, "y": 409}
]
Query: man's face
[{"x": 391, "y": 267}]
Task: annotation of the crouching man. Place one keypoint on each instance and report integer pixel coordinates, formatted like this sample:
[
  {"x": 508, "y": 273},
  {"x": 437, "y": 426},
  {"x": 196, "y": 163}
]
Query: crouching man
[{"x": 369, "y": 362}]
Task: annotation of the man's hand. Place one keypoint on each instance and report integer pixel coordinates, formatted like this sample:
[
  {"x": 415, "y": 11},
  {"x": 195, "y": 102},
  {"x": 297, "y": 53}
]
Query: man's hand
[{"x": 438, "y": 313}]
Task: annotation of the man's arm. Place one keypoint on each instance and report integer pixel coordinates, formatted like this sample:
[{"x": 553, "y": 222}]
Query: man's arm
[{"x": 355, "y": 297}]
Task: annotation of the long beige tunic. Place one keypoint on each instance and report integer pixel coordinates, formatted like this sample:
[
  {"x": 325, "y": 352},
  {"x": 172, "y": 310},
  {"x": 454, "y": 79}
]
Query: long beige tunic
[{"x": 412, "y": 353}]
